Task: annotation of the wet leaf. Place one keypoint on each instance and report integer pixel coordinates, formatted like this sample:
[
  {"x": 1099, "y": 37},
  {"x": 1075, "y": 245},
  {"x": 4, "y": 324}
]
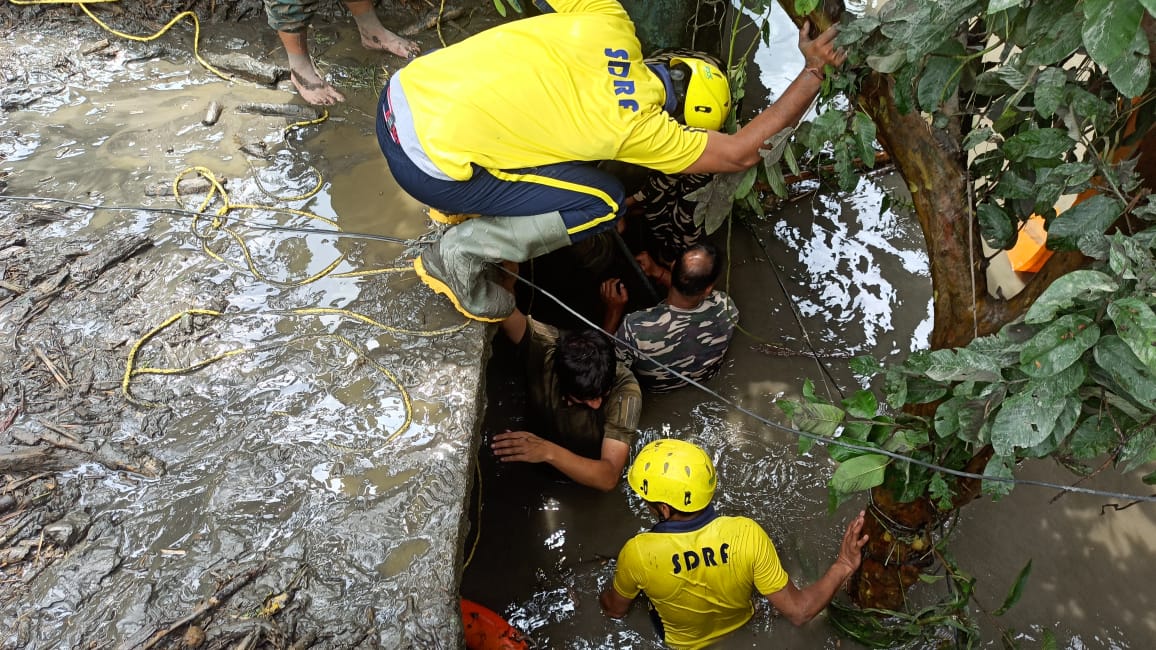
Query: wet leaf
[
  {"x": 1109, "y": 26},
  {"x": 940, "y": 492},
  {"x": 1017, "y": 590},
  {"x": 1117, "y": 359},
  {"x": 863, "y": 128},
  {"x": 1080, "y": 285},
  {"x": 862, "y": 404},
  {"x": 866, "y": 366},
  {"x": 1150, "y": 479},
  {"x": 1058, "y": 345},
  {"x": 1049, "y": 91},
  {"x": 962, "y": 364},
  {"x": 1091, "y": 216},
  {"x": 998, "y": 467},
  {"x": 1056, "y": 32},
  {"x": 860, "y": 473},
  {"x": 1136, "y": 324},
  {"x": 922, "y": 391},
  {"x": 820, "y": 419},
  {"x": 1129, "y": 73},
  {"x": 714, "y": 201},
  {"x": 1037, "y": 143},
  {"x": 1095, "y": 436},
  {"x": 1027, "y": 418},
  {"x": 995, "y": 226},
  {"x": 939, "y": 79},
  {"x": 1139, "y": 450}
]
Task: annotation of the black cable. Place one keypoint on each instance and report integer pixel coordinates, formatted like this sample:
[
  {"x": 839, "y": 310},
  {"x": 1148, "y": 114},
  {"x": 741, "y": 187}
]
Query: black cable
[
  {"x": 835, "y": 441},
  {"x": 796, "y": 432},
  {"x": 210, "y": 215}
]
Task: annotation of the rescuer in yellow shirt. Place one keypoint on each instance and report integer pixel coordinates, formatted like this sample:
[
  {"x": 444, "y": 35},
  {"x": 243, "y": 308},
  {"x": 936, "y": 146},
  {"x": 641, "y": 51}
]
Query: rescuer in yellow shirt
[
  {"x": 698, "y": 568},
  {"x": 510, "y": 123}
]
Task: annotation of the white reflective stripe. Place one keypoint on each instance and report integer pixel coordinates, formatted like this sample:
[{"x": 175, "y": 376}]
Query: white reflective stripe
[{"x": 407, "y": 135}]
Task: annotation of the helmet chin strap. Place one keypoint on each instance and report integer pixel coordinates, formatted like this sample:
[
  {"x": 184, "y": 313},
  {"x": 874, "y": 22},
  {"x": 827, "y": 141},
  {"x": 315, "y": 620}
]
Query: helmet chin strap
[{"x": 663, "y": 73}]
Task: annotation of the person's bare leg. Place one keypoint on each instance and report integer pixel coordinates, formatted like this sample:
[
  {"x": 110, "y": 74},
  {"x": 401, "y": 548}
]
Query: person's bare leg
[
  {"x": 374, "y": 35},
  {"x": 304, "y": 75}
]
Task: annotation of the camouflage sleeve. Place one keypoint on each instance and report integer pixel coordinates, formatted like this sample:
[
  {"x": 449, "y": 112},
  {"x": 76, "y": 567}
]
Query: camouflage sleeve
[{"x": 290, "y": 16}]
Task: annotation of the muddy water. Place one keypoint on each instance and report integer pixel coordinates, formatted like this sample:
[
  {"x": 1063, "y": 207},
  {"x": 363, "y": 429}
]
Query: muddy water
[
  {"x": 302, "y": 457},
  {"x": 253, "y": 446}
]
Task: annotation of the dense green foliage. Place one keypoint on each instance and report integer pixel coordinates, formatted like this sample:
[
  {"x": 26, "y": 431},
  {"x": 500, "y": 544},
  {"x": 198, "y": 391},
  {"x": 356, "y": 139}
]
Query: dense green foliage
[{"x": 1034, "y": 98}]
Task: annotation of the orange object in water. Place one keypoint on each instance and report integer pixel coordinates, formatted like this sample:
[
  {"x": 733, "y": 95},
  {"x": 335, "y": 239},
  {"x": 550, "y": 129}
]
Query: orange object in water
[
  {"x": 1030, "y": 252},
  {"x": 486, "y": 630}
]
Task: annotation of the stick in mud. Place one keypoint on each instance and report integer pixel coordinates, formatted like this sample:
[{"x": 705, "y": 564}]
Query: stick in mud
[{"x": 216, "y": 600}]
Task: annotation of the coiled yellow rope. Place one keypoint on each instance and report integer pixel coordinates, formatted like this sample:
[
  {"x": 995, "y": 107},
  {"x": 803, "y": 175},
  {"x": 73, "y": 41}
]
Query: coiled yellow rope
[{"x": 186, "y": 14}]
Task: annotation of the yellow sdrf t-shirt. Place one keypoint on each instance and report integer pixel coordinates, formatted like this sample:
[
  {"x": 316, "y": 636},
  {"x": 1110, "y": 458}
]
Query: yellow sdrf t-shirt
[
  {"x": 701, "y": 581},
  {"x": 552, "y": 88}
]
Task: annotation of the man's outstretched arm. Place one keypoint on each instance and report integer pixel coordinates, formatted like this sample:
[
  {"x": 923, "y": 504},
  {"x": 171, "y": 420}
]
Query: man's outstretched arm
[
  {"x": 599, "y": 473},
  {"x": 801, "y": 605}
]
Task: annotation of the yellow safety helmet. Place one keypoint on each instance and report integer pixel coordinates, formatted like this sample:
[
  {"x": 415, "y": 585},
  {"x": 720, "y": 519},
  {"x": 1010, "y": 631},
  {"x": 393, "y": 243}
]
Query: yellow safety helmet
[
  {"x": 673, "y": 472},
  {"x": 697, "y": 91}
]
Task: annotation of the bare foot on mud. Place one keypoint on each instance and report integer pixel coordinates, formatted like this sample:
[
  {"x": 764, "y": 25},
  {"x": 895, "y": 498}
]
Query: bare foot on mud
[
  {"x": 313, "y": 88},
  {"x": 380, "y": 38}
]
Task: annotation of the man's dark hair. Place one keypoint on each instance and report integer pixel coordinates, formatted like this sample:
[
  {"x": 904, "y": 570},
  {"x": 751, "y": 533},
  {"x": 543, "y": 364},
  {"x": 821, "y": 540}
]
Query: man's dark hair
[
  {"x": 696, "y": 269},
  {"x": 584, "y": 364}
]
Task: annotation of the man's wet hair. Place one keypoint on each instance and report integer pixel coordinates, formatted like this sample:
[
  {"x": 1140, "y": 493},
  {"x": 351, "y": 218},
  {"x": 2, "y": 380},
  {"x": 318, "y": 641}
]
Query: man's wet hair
[
  {"x": 584, "y": 364},
  {"x": 693, "y": 278}
]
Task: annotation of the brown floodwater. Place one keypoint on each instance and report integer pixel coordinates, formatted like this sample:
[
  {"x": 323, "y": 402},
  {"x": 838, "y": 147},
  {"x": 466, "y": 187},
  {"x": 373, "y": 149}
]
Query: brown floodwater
[{"x": 252, "y": 442}]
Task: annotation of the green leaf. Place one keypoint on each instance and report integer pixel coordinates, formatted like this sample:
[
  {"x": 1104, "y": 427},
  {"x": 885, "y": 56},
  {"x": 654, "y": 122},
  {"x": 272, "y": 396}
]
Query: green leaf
[
  {"x": 938, "y": 81},
  {"x": 860, "y": 473},
  {"x": 1048, "y": 642},
  {"x": 1136, "y": 324},
  {"x": 820, "y": 419},
  {"x": 1091, "y": 216},
  {"x": 889, "y": 63},
  {"x": 1027, "y": 418},
  {"x": 1017, "y": 590},
  {"x": 1038, "y": 143},
  {"x": 1095, "y": 436},
  {"x": 999, "y": 467},
  {"x": 1139, "y": 450},
  {"x": 862, "y": 404},
  {"x": 996, "y": 226},
  {"x": 827, "y": 127},
  {"x": 745, "y": 183},
  {"x": 1081, "y": 285},
  {"x": 996, "y": 6},
  {"x": 962, "y": 365},
  {"x": 1116, "y": 358},
  {"x": 866, "y": 366},
  {"x": 976, "y": 137},
  {"x": 1058, "y": 345},
  {"x": 775, "y": 179},
  {"x": 1149, "y": 479},
  {"x": 940, "y": 492},
  {"x": 804, "y": 7},
  {"x": 864, "y": 129},
  {"x": 715, "y": 200},
  {"x": 1129, "y": 73},
  {"x": 1049, "y": 91},
  {"x": 1109, "y": 26},
  {"x": 1056, "y": 34}
]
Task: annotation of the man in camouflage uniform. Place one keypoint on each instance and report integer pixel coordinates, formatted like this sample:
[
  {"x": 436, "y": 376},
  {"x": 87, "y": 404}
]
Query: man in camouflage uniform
[
  {"x": 688, "y": 332},
  {"x": 291, "y": 19}
]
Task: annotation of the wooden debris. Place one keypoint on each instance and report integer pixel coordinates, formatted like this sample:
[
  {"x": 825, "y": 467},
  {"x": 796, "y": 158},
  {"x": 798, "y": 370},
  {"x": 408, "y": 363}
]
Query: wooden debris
[
  {"x": 246, "y": 67},
  {"x": 212, "y": 113},
  {"x": 293, "y": 111},
  {"x": 51, "y": 367},
  {"x": 111, "y": 251},
  {"x": 213, "y": 602},
  {"x": 430, "y": 19},
  {"x": 95, "y": 47}
]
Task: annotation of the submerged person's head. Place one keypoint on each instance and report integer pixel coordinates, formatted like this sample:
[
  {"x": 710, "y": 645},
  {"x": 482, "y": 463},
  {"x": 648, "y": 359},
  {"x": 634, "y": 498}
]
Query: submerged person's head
[
  {"x": 696, "y": 270},
  {"x": 697, "y": 91},
  {"x": 584, "y": 364}
]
